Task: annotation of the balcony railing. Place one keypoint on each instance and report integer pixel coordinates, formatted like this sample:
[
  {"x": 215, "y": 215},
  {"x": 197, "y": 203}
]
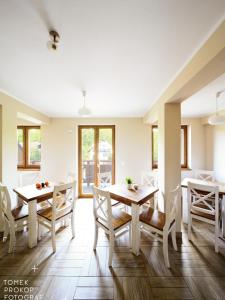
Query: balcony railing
[{"x": 88, "y": 172}]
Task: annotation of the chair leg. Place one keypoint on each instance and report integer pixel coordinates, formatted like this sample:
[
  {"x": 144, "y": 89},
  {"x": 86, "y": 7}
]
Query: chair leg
[
  {"x": 53, "y": 237},
  {"x": 111, "y": 246},
  {"x": 96, "y": 237},
  {"x": 6, "y": 232},
  {"x": 216, "y": 238},
  {"x": 39, "y": 231},
  {"x": 130, "y": 240},
  {"x": 165, "y": 249},
  {"x": 62, "y": 223},
  {"x": 174, "y": 240},
  {"x": 12, "y": 241},
  {"x": 189, "y": 227},
  {"x": 73, "y": 225}
]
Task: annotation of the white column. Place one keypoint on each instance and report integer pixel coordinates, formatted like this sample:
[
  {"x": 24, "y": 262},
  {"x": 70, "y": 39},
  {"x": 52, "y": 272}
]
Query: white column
[{"x": 169, "y": 160}]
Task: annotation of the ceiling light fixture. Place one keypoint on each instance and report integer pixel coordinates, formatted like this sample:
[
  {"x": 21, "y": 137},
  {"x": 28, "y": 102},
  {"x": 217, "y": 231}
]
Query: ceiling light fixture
[
  {"x": 84, "y": 111},
  {"x": 217, "y": 119},
  {"x": 54, "y": 40}
]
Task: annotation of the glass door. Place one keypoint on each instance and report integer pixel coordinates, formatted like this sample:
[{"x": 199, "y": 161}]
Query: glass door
[
  {"x": 96, "y": 154},
  {"x": 106, "y": 150}
]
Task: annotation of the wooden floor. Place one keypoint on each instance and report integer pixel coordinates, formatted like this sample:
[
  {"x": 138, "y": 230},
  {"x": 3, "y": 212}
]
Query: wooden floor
[{"x": 76, "y": 272}]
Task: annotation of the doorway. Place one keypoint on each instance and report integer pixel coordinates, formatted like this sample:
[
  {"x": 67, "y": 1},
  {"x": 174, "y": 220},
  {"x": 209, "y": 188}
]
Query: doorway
[{"x": 96, "y": 154}]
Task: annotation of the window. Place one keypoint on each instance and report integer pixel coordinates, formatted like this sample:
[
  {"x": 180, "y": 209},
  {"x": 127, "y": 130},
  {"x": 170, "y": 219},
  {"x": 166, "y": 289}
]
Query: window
[
  {"x": 29, "y": 147},
  {"x": 184, "y": 147}
]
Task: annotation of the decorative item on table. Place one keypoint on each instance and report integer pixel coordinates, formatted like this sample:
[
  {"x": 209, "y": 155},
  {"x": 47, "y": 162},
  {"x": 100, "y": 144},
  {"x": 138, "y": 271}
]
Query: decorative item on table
[
  {"x": 129, "y": 182},
  {"x": 40, "y": 185},
  {"x": 135, "y": 186}
]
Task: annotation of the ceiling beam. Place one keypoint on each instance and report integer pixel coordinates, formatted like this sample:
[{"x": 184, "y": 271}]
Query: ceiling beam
[{"x": 205, "y": 66}]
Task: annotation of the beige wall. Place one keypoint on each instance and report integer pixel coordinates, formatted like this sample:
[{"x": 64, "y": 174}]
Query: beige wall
[
  {"x": 1, "y": 143},
  {"x": 209, "y": 142},
  {"x": 218, "y": 152},
  {"x": 10, "y": 109},
  {"x": 59, "y": 143},
  {"x": 59, "y": 146},
  {"x": 133, "y": 146},
  {"x": 215, "y": 141},
  {"x": 196, "y": 138}
]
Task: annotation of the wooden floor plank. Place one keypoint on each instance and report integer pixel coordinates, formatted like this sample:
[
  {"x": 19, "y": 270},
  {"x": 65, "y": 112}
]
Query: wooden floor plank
[
  {"x": 94, "y": 293},
  {"x": 75, "y": 271},
  {"x": 137, "y": 288},
  {"x": 172, "y": 293}
]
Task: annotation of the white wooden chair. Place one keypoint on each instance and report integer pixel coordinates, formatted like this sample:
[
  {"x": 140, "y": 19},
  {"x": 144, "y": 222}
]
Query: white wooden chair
[
  {"x": 111, "y": 219},
  {"x": 203, "y": 205},
  {"x": 61, "y": 208},
  {"x": 26, "y": 178},
  {"x": 159, "y": 225},
  {"x": 150, "y": 179},
  {"x": 104, "y": 180},
  {"x": 14, "y": 219},
  {"x": 205, "y": 175}
]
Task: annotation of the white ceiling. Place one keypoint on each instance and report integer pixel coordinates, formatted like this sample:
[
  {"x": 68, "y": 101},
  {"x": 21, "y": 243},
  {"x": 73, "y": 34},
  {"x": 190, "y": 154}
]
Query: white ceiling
[
  {"x": 123, "y": 52},
  {"x": 203, "y": 103}
]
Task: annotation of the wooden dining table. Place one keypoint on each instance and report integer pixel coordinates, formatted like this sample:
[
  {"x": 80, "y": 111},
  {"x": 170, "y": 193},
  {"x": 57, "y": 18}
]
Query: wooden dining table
[
  {"x": 134, "y": 199},
  {"x": 184, "y": 184},
  {"x": 31, "y": 195}
]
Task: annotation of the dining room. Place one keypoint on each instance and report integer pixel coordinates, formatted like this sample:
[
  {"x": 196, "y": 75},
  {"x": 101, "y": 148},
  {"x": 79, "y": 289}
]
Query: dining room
[{"x": 112, "y": 182}]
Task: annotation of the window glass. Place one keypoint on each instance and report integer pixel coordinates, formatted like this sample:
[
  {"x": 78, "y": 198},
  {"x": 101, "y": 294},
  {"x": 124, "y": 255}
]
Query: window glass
[
  {"x": 155, "y": 146},
  {"x": 28, "y": 147},
  {"x": 34, "y": 147},
  {"x": 183, "y": 141},
  {"x": 20, "y": 146},
  {"x": 182, "y": 147}
]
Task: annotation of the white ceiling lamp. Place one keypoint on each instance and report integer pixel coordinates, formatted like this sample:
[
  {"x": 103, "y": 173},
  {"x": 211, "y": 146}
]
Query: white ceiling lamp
[
  {"x": 84, "y": 110},
  {"x": 217, "y": 119},
  {"x": 54, "y": 40}
]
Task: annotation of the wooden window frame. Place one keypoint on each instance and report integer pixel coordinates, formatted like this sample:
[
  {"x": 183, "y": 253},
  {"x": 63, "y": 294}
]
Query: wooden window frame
[
  {"x": 25, "y": 165},
  {"x": 183, "y": 166},
  {"x": 154, "y": 165}
]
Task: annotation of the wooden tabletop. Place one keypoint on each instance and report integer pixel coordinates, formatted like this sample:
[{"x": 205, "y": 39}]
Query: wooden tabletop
[
  {"x": 30, "y": 192},
  {"x": 122, "y": 194},
  {"x": 221, "y": 185}
]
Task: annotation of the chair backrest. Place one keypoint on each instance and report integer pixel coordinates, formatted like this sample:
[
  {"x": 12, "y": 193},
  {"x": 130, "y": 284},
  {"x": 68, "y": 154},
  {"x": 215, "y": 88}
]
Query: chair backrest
[
  {"x": 26, "y": 178},
  {"x": 205, "y": 175},
  {"x": 63, "y": 193},
  {"x": 172, "y": 205},
  {"x": 102, "y": 208},
  {"x": 149, "y": 178},
  {"x": 104, "y": 179},
  {"x": 70, "y": 177},
  {"x": 5, "y": 203},
  {"x": 203, "y": 198}
]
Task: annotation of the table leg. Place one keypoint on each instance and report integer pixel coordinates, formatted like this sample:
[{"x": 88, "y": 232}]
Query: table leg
[
  {"x": 135, "y": 231},
  {"x": 2, "y": 223},
  {"x": 184, "y": 206},
  {"x": 32, "y": 226},
  {"x": 223, "y": 217}
]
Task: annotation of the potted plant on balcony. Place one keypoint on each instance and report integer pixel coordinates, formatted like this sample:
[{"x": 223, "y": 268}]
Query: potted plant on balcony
[{"x": 129, "y": 182}]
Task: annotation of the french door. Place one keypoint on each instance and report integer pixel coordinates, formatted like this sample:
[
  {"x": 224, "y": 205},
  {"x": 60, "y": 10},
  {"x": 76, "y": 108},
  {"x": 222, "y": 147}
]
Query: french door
[{"x": 96, "y": 154}]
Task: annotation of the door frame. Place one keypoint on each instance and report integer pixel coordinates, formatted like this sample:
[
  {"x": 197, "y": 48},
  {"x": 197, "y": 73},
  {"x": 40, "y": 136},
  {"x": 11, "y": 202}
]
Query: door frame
[{"x": 96, "y": 162}]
